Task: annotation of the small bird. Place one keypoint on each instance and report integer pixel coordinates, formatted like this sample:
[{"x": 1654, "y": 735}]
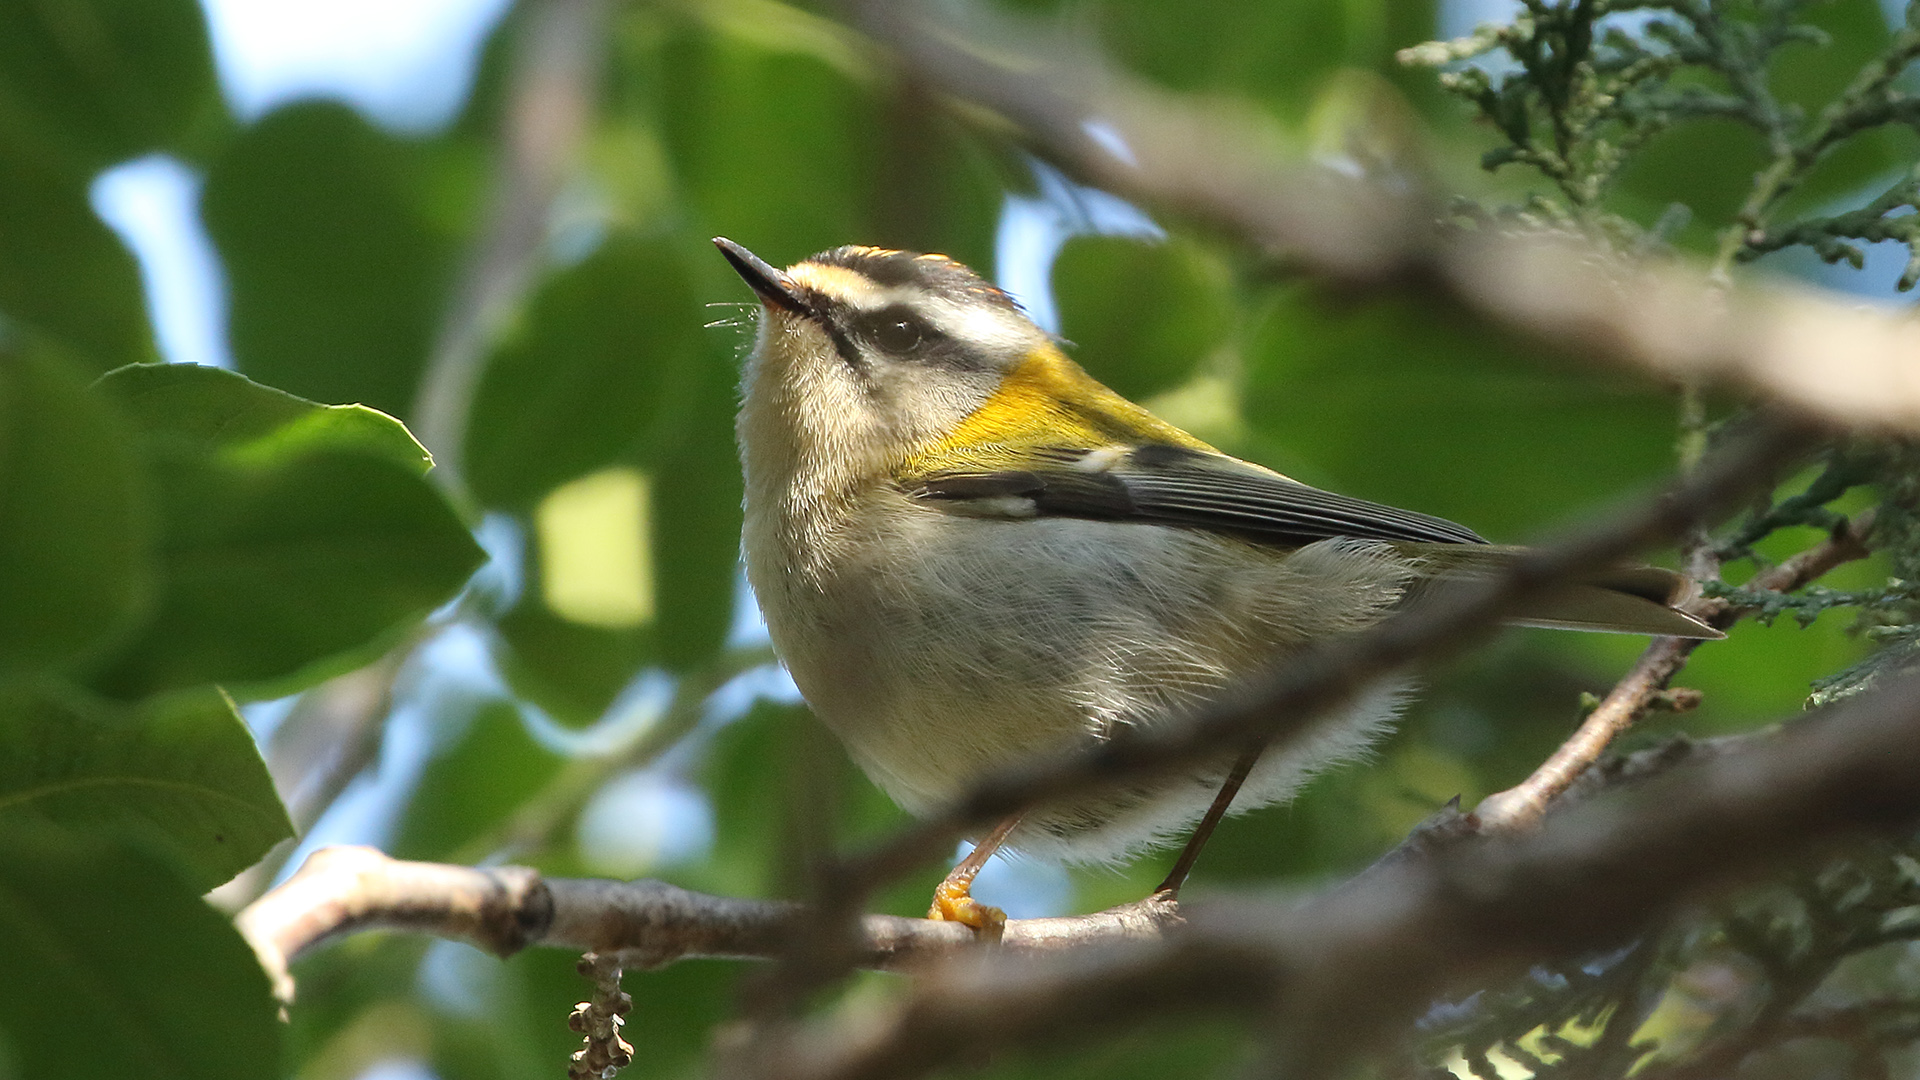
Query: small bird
[{"x": 970, "y": 552}]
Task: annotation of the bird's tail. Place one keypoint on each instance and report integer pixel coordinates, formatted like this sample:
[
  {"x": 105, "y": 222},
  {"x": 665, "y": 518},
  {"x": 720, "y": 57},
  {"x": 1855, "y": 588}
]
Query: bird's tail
[{"x": 1618, "y": 600}]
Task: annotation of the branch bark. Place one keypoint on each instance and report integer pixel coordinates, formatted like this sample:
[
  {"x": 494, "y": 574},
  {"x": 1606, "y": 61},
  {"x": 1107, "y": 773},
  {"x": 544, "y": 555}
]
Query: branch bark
[
  {"x": 503, "y": 909},
  {"x": 1524, "y": 805}
]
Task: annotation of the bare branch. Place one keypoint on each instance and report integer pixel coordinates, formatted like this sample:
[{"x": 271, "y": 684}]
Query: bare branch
[
  {"x": 502, "y": 909},
  {"x": 1523, "y": 806}
]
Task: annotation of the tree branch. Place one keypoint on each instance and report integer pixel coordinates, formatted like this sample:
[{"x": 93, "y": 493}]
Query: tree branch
[
  {"x": 503, "y": 909},
  {"x": 1228, "y": 167},
  {"x": 1523, "y": 806},
  {"x": 1325, "y": 977}
]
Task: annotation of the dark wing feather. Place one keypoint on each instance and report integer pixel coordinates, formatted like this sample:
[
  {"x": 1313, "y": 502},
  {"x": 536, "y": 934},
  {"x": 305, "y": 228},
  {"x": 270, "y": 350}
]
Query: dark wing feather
[{"x": 1168, "y": 485}]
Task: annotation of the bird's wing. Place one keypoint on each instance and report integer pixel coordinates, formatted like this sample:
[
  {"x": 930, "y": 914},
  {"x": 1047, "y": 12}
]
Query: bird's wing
[
  {"x": 1173, "y": 485},
  {"x": 1199, "y": 488}
]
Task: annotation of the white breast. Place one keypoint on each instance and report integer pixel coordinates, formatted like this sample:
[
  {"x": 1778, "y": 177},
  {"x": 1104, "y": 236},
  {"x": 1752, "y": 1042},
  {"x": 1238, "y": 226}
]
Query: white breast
[{"x": 939, "y": 646}]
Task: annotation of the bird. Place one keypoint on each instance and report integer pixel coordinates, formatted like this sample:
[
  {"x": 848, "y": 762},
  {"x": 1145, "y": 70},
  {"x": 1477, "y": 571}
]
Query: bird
[{"x": 968, "y": 552}]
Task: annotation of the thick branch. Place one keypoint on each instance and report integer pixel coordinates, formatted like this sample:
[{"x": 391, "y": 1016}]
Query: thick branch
[
  {"x": 1329, "y": 975},
  {"x": 1228, "y": 168},
  {"x": 1523, "y": 806}
]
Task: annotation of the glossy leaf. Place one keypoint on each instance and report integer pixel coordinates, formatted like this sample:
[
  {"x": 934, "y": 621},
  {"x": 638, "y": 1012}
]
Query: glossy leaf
[
  {"x": 295, "y": 537},
  {"x": 75, "y": 564},
  {"x": 180, "y": 774},
  {"x": 338, "y": 273},
  {"x": 115, "y": 967}
]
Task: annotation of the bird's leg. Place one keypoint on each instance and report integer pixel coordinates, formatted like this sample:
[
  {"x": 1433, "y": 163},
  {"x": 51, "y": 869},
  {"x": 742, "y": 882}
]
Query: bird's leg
[
  {"x": 1170, "y": 888},
  {"x": 953, "y": 899}
]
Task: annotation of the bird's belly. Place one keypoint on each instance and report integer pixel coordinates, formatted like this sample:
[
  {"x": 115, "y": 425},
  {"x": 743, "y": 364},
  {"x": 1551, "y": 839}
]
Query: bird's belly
[{"x": 956, "y": 645}]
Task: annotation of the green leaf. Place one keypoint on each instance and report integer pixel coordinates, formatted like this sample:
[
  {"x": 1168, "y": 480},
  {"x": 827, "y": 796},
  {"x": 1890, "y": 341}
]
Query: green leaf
[
  {"x": 739, "y": 117},
  {"x": 696, "y": 515},
  {"x": 75, "y": 568},
  {"x": 88, "y": 83},
  {"x": 63, "y": 275},
  {"x": 115, "y": 968},
  {"x": 338, "y": 273},
  {"x": 296, "y": 539},
  {"x": 85, "y": 84},
  {"x": 606, "y": 348},
  {"x": 1278, "y": 52},
  {"x": 180, "y": 773},
  {"x": 1415, "y": 404},
  {"x": 1141, "y": 315},
  {"x": 572, "y": 670},
  {"x": 246, "y": 423}
]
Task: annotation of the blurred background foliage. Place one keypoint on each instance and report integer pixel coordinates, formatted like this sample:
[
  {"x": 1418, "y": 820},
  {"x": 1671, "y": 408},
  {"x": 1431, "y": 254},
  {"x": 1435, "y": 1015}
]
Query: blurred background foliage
[{"x": 598, "y": 698}]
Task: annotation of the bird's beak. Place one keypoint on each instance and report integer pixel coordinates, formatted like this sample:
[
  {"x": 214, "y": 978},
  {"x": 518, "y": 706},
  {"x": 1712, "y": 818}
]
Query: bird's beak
[{"x": 773, "y": 285}]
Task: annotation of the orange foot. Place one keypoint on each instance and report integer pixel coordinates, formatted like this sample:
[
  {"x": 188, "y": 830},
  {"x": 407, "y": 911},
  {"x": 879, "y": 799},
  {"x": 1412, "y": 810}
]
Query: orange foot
[{"x": 953, "y": 902}]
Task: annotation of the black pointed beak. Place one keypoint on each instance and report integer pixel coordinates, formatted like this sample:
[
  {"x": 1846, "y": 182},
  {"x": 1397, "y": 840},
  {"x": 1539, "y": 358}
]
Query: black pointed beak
[{"x": 773, "y": 285}]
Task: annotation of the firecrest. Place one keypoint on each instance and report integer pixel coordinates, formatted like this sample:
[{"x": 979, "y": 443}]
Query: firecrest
[{"x": 969, "y": 552}]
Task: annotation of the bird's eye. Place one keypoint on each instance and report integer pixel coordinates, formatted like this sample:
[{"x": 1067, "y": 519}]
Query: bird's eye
[
  {"x": 899, "y": 335},
  {"x": 896, "y": 329}
]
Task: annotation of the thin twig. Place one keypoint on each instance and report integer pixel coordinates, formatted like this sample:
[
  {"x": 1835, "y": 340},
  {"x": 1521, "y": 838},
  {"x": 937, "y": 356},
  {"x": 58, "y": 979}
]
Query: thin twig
[{"x": 1525, "y": 804}]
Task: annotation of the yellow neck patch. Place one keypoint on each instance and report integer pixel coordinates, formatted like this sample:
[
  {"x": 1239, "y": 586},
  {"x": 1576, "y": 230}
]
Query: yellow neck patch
[{"x": 1046, "y": 403}]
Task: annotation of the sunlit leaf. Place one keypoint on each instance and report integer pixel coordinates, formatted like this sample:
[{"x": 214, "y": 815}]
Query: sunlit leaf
[{"x": 295, "y": 538}]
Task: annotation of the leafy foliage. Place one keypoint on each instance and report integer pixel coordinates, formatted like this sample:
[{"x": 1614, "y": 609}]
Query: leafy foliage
[{"x": 172, "y": 535}]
